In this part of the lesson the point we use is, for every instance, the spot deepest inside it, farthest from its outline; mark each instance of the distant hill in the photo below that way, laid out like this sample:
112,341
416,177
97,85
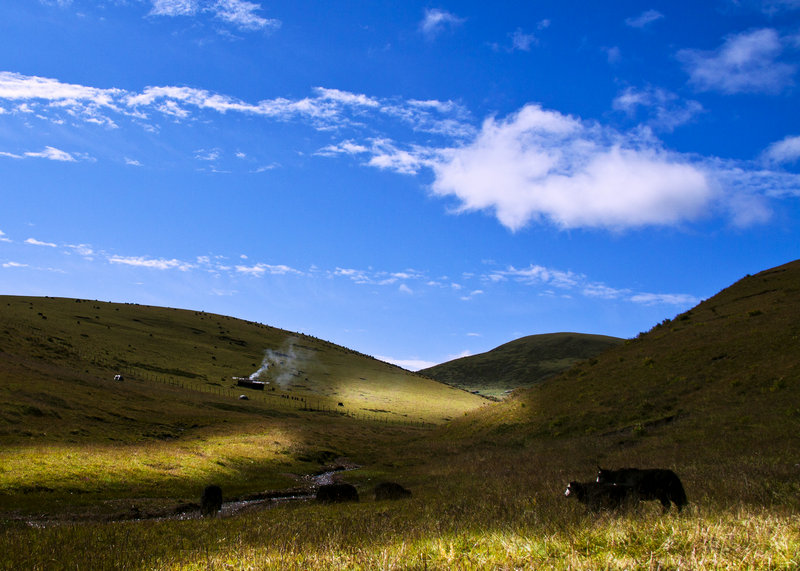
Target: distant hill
724,375
520,363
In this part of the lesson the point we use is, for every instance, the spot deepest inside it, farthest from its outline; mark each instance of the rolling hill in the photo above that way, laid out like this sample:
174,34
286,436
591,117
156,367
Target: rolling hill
723,376
54,350
520,363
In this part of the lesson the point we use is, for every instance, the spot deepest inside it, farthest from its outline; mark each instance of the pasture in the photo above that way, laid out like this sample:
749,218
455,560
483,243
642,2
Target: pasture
94,473
490,507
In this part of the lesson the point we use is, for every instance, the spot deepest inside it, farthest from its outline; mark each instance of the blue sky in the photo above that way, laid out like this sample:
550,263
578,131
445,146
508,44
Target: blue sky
416,181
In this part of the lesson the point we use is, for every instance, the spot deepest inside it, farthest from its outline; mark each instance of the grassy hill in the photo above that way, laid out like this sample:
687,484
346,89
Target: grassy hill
713,394
60,338
520,363
71,433
723,376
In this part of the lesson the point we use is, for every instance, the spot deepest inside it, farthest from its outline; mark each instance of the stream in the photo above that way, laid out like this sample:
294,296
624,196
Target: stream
234,506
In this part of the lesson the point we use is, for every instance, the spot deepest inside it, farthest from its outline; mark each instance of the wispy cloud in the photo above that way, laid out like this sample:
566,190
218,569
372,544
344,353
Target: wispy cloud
435,21
52,154
644,19
240,14
325,109
151,263
745,63
572,283
533,166
259,270
786,150
35,242
665,110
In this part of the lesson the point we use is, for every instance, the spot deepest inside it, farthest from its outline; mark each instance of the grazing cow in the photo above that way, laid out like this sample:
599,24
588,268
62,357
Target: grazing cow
390,491
118,378
211,501
335,493
601,496
653,484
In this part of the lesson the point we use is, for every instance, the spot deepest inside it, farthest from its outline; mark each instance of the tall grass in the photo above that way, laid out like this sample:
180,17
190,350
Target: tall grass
508,532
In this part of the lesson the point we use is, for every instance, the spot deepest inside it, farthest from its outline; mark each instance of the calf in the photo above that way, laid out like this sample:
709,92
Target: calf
601,496
653,484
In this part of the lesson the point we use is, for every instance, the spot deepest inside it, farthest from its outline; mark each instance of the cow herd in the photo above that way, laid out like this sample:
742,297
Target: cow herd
611,490
615,489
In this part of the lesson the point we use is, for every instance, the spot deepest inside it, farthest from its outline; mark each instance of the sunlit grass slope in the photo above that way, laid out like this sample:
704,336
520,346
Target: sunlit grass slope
202,350
72,435
523,362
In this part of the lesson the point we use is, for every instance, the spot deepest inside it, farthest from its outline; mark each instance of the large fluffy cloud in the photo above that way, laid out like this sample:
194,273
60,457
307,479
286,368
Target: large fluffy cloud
541,164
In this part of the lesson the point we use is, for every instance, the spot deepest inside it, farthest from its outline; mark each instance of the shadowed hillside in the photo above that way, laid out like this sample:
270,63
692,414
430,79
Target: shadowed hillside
520,363
724,375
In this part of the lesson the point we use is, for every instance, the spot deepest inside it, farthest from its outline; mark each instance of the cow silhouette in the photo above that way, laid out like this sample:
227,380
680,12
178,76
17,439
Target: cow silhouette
335,493
601,496
211,500
651,484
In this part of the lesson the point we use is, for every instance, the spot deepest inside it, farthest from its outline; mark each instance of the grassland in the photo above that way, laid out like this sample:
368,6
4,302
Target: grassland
713,394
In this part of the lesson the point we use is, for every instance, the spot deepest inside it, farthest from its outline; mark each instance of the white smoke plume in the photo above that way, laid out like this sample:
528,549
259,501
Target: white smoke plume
280,366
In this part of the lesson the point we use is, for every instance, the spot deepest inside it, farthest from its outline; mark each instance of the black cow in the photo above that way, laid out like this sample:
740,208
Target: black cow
390,491
601,496
211,501
653,484
333,493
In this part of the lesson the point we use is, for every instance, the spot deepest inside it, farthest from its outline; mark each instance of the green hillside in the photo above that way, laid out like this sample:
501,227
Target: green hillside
523,362
71,433
724,375
59,338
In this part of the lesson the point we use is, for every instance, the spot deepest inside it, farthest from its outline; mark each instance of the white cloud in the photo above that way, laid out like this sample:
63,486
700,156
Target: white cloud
536,274
522,41
745,63
52,154
132,162
786,150
174,7
15,265
665,109
435,21
541,164
664,299
472,295
35,242
151,263
239,13
3,237
242,14
644,19
259,270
